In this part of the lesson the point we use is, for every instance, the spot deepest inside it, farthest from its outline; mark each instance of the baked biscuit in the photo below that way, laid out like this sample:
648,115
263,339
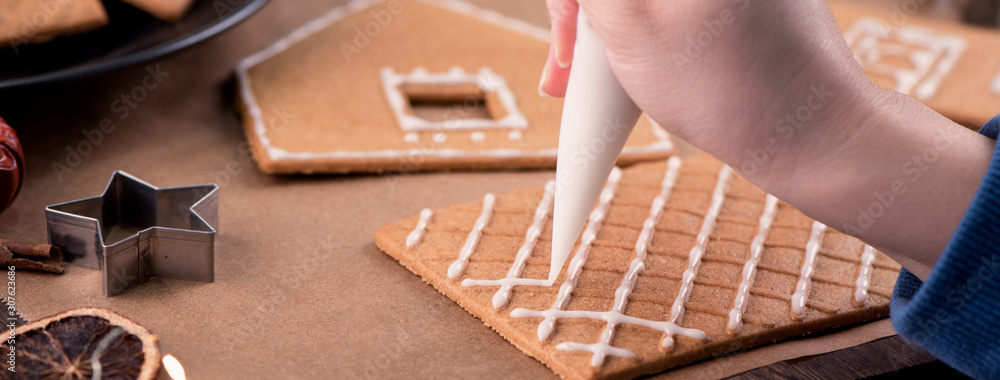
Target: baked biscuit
34,21
405,86
166,10
953,68
680,260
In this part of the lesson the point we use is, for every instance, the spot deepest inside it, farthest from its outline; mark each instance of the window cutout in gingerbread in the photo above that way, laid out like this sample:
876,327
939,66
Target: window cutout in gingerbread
454,100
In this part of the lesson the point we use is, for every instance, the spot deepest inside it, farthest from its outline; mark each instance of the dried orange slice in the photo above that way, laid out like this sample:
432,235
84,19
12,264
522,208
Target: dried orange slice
79,344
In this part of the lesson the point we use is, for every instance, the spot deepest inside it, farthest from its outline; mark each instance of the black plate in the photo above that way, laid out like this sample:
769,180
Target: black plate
131,36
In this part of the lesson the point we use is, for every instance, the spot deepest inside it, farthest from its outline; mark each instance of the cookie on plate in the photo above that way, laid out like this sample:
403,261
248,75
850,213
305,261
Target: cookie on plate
680,260
405,86
953,68
23,21
166,10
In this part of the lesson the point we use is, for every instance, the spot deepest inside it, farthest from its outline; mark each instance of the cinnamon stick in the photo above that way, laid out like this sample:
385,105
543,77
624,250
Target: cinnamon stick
7,259
29,249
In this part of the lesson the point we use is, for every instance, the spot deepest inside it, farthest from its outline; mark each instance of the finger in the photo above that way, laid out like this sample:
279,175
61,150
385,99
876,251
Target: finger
554,77
563,13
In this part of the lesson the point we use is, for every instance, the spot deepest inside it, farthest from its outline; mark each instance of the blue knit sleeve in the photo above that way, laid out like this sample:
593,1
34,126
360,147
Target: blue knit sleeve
955,314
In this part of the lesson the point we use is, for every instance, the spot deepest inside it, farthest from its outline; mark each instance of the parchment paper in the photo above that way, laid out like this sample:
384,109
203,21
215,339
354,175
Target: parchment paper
729,365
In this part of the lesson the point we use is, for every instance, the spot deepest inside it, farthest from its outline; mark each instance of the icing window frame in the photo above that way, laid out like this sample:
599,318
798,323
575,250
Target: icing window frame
933,54
485,86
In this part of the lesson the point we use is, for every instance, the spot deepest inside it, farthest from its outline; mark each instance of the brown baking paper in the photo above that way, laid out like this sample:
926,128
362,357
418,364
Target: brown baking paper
820,343
301,291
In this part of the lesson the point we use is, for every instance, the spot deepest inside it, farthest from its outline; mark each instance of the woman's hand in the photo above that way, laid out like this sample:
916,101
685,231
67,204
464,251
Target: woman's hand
721,75
772,89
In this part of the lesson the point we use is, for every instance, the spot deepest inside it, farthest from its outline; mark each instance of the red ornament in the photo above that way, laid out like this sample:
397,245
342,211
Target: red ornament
11,165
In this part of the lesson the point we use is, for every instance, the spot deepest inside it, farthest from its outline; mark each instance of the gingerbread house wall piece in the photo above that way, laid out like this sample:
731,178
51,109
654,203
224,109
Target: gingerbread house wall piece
922,56
340,94
948,66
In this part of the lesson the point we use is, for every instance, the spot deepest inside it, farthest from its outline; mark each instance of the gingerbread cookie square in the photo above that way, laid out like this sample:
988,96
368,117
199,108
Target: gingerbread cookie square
951,67
24,21
166,10
680,260
405,86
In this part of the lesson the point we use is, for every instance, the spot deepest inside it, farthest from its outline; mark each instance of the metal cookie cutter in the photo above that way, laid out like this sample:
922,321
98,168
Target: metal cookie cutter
135,231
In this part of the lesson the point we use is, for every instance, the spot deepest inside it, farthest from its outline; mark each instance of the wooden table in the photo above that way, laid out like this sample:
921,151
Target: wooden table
887,358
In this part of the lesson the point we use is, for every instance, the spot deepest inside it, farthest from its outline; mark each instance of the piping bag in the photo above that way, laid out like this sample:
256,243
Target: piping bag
597,119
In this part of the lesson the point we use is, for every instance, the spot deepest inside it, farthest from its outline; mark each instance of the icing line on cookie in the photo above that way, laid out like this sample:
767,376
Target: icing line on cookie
495,18
586,240
530,239
278,154
694,256
604,348
864,275
808,267
610,317
418,232
742,298
456,268
932,54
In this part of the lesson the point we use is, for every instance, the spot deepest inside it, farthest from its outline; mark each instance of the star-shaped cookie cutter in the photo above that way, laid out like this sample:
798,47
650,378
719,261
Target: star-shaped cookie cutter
135,231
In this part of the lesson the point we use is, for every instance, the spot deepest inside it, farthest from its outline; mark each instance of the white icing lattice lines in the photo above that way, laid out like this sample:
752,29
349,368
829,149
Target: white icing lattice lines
709,255
418,232
576,264
742,298
472,241
696,253
530,239
616,315
808,267
864,275
916,58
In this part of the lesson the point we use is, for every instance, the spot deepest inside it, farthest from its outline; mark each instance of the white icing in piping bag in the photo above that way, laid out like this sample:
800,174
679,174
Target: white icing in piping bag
597,119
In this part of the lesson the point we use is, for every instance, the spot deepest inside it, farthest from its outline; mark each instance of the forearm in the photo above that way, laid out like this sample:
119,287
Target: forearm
778,95
882,167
